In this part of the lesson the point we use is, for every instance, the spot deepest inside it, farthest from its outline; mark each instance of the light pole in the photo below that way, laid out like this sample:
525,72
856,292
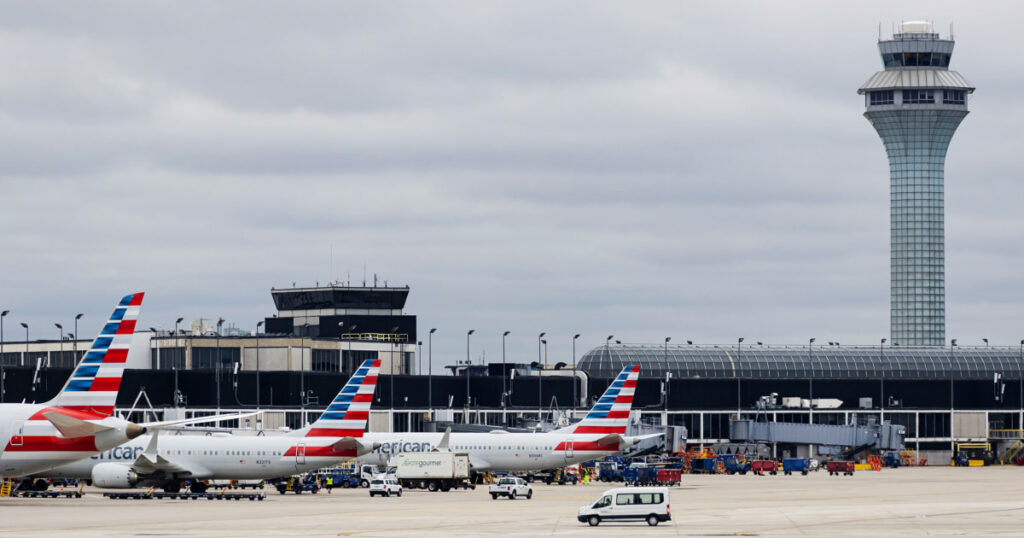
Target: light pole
74,340
430,371
177,343
739,359
25,361
575,398
810,365
952,440
220,322
2,316
468,400
504,386
61,329
391,378
258,325
881,356
986,341
540,400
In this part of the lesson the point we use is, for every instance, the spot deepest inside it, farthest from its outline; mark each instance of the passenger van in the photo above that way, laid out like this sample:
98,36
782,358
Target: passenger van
646,504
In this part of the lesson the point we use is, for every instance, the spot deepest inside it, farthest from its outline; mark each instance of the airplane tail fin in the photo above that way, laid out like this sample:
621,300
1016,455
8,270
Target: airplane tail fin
610,415
348,413
93,385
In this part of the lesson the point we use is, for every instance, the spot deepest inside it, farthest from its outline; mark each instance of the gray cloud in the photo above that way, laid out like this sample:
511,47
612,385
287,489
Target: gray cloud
699,171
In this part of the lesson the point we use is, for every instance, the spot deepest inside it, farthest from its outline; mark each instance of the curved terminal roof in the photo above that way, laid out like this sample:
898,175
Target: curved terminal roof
797,362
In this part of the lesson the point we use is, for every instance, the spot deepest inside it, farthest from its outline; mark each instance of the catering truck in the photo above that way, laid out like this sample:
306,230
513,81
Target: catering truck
432,471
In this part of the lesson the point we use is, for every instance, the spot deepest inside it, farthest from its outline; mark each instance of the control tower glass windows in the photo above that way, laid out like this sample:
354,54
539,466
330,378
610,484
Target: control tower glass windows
883,97
954,97
916,59
918,97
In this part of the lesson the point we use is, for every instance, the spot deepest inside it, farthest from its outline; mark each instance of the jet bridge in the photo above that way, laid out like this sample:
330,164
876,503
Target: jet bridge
829,438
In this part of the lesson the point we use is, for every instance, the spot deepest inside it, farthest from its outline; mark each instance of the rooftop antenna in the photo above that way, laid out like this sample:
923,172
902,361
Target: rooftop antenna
330,276
364,274
951,30
375,280
348,279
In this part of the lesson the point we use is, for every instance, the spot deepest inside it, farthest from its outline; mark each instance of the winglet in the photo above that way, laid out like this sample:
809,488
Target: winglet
73,428
442,446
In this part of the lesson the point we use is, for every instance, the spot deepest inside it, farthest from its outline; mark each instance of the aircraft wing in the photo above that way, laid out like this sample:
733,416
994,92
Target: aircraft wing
150,461
73,428
630,441
361,446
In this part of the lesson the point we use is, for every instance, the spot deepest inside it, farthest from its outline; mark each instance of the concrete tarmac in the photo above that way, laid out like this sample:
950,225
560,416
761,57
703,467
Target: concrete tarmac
905,502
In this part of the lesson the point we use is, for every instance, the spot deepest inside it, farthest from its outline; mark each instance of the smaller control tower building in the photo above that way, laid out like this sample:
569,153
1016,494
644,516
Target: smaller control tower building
915,105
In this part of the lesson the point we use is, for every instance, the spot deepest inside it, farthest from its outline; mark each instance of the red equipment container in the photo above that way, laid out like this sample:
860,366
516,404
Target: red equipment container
840,468
763,466
670,476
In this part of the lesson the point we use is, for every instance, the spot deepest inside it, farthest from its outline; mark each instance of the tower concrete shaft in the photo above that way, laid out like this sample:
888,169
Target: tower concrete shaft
916,104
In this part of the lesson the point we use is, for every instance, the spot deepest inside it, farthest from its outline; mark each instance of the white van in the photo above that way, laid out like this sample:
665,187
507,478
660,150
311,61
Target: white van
648,504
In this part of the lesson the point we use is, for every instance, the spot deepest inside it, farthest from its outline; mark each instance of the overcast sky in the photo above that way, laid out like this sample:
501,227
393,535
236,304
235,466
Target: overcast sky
644,169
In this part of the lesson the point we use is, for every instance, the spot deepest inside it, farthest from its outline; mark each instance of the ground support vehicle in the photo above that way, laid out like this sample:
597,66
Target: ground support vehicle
511,487
708,465
636,475
623,504
236,484
609,471
339,478
760,467
553,476
433,471
385,486
298,485
795,465
669,477
734,465
836,468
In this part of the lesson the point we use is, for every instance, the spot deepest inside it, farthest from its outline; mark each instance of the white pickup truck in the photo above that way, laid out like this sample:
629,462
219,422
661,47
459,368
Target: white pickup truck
511,487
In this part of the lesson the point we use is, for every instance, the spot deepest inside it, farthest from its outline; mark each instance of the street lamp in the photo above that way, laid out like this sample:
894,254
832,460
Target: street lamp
504,386
2,316
419,357
25,325
430,371
575,398
74,340
468,400
810,365
61,329
986,341
177,343
258,325
540,401
739,359
881,356
391,378
216,363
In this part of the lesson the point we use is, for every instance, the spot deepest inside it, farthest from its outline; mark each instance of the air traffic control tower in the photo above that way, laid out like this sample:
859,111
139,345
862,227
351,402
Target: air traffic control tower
916,104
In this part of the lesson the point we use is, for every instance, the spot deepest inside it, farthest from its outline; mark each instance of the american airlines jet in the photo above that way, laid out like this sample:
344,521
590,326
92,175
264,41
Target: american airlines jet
79,421
166,460
600,433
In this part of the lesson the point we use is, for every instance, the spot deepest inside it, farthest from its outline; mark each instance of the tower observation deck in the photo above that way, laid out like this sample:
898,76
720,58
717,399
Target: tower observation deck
915,104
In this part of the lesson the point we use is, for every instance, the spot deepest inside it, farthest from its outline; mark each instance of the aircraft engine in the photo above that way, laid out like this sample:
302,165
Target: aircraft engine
114,475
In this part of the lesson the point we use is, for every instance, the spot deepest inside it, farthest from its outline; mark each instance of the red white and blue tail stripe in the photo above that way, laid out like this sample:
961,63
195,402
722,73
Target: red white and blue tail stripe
348,413
609,417
93,386
611,413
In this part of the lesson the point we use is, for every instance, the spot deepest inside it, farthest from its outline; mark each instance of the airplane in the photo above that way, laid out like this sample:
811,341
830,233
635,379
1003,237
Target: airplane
166,460
78,422
600,433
